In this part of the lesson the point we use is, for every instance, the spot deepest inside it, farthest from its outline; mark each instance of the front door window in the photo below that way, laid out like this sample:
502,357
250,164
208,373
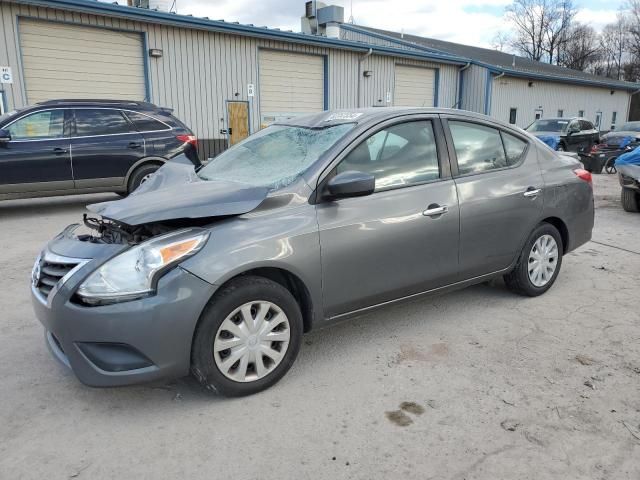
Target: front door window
45,125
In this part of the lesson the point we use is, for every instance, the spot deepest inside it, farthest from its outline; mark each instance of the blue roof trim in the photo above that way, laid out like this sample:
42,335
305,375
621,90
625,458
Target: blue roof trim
498,69
185,21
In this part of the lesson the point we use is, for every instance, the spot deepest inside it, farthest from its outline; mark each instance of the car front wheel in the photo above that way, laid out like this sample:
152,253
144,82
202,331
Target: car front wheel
630,199
248,337
539,262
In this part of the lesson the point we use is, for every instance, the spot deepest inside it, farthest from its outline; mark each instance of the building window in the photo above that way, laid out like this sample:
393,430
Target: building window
560,113
3,107
581,113
614,117
538,115
513,115
598,120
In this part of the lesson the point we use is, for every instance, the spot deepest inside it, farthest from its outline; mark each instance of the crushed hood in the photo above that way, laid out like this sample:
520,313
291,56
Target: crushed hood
176,192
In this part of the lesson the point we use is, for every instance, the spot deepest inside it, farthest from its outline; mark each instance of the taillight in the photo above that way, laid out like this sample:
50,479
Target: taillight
582,174
190,139
595,147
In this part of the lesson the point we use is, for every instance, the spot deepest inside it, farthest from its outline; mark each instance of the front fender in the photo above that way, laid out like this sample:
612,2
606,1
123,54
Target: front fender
287,240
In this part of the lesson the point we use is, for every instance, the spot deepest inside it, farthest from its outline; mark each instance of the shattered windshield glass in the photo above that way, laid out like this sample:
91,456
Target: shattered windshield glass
275,156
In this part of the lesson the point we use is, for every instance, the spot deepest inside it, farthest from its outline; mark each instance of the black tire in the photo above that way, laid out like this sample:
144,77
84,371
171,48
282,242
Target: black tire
518,280
139,174
561,147
238,292
610,166
630,200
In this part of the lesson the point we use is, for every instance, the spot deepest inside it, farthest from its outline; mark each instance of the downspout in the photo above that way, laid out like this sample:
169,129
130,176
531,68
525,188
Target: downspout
459,91
360,60
489,91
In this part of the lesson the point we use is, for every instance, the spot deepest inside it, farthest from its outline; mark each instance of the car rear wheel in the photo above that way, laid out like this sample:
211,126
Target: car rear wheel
247,338
630,200
141,175
610,166
539,262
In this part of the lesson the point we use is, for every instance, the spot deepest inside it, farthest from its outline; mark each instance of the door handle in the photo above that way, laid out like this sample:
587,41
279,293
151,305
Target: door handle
435,210
135,145
532,192
59,151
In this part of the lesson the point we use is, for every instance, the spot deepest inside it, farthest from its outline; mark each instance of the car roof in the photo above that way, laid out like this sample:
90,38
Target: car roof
370,115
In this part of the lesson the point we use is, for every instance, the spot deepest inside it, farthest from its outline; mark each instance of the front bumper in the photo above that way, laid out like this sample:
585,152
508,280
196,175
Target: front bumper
124,343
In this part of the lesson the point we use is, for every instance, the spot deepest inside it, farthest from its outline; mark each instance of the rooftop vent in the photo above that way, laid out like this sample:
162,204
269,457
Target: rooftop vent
160,5
321,19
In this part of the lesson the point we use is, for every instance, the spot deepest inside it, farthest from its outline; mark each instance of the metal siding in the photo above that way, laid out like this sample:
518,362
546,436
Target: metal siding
474,88
509,92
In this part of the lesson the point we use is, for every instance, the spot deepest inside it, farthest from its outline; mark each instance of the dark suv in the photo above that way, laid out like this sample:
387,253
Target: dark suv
566,134
62,147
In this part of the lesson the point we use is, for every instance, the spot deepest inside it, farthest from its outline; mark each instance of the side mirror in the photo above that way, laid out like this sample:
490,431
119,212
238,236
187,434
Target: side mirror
351,184
5,136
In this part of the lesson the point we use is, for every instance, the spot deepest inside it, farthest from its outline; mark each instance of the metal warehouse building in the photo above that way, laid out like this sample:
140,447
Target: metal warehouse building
226,80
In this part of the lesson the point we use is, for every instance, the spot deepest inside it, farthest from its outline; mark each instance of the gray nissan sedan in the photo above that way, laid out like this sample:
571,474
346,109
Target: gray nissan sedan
220,271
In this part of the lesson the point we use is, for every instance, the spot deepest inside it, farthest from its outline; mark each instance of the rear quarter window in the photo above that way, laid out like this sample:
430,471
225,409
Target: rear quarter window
144,123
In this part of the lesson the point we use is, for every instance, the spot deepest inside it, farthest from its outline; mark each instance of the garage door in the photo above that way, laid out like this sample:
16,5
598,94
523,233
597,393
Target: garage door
414,86
71,61
290,84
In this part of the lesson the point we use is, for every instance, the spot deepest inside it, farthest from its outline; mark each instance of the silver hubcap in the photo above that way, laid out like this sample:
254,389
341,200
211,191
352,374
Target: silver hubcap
252,341
145,178
543,260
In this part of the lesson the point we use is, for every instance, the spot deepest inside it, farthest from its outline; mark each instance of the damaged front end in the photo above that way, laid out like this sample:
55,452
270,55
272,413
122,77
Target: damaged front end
109,231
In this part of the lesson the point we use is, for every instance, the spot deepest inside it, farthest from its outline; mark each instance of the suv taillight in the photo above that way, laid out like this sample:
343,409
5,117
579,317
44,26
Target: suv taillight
582,174
190,139
595,148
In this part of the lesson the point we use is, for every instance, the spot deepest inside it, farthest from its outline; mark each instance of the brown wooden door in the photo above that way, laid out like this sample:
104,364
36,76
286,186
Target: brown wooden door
238,114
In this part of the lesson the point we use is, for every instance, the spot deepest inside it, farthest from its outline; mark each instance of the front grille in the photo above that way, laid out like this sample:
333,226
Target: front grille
49,271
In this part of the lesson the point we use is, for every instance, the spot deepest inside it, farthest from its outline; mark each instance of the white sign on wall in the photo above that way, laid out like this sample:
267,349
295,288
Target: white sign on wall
251,90
5,75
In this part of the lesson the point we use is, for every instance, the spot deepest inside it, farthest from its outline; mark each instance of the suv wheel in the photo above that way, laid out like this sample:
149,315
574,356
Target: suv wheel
630,200
539,262
141,175
247,338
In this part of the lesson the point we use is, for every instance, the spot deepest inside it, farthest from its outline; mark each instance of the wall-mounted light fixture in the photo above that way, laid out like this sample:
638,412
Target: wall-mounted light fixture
612,92
530,84
155,52
367,73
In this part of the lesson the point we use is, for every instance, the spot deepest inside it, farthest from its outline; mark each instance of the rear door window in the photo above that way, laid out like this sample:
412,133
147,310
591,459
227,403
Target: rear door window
92,122
478,148
144,123
48,124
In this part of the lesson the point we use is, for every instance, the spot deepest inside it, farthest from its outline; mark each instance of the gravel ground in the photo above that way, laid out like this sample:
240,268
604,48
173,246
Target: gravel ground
477,384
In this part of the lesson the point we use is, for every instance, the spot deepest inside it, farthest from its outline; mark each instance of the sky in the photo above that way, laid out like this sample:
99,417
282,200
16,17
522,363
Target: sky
472,22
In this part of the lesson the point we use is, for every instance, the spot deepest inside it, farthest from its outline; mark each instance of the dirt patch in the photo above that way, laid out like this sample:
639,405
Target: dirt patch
412,407
411,353
399,418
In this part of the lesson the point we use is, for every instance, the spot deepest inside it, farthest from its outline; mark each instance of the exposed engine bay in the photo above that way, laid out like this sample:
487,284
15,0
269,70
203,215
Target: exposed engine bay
109,231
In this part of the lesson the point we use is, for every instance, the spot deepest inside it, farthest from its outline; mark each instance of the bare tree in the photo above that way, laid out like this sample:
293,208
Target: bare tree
581,50
633,7
541,27
614,42
501,41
